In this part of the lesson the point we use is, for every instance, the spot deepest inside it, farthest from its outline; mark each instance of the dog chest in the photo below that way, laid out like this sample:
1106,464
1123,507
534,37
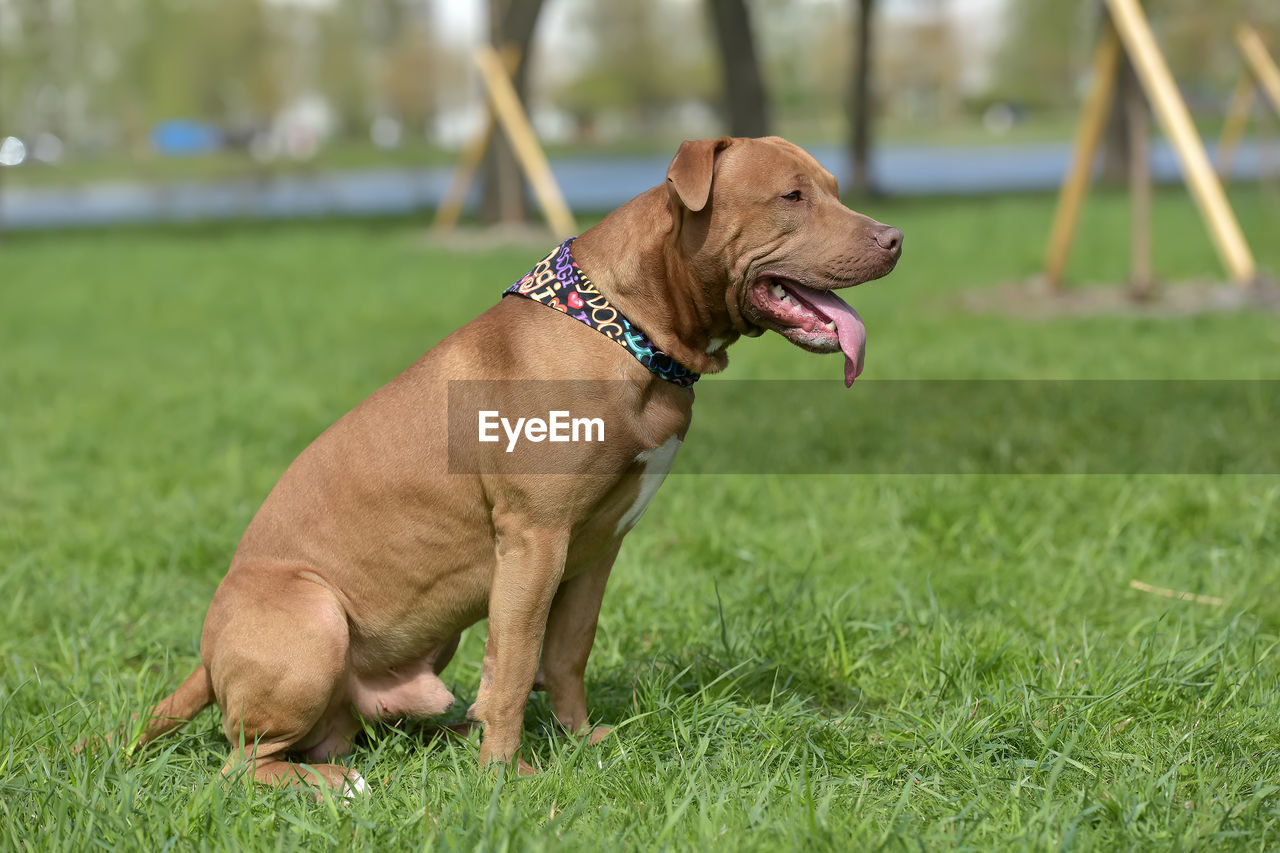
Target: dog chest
654,465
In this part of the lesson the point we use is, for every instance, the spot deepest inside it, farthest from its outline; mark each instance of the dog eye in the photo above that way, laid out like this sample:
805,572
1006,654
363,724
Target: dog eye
794,195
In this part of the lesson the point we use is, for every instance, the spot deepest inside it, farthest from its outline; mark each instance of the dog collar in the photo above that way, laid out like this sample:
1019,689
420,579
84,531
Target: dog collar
558,282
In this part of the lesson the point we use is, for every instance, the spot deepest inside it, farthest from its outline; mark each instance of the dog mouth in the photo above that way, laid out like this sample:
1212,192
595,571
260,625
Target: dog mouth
815,320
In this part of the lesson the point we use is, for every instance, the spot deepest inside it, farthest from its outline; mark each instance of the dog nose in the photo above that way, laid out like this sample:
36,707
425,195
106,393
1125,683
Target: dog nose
889,239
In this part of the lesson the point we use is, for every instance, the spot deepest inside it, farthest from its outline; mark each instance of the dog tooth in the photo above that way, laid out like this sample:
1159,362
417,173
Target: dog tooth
786,298
776,290
831,325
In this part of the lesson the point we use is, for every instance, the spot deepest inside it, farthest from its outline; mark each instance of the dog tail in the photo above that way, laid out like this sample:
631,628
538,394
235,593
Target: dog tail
192,696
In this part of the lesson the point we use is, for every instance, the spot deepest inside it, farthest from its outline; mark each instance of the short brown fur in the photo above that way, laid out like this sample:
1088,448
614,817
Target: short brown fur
350,587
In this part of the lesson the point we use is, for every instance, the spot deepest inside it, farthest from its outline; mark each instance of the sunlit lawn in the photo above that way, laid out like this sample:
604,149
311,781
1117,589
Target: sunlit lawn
791,662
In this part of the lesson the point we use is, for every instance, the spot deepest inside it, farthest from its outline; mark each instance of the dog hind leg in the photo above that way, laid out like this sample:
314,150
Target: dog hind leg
281,681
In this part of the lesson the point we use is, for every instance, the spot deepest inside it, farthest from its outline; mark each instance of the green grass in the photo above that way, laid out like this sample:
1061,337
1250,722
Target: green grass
818,662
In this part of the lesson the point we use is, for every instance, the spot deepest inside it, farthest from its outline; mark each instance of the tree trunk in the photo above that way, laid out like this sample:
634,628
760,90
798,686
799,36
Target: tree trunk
1141,277
511,25
860,102
1116,148
745,99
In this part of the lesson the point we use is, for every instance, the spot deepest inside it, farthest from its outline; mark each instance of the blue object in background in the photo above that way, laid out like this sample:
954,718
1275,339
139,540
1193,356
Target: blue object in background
184,137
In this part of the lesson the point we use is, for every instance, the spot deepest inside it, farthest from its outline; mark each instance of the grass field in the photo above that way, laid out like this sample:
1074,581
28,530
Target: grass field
817,662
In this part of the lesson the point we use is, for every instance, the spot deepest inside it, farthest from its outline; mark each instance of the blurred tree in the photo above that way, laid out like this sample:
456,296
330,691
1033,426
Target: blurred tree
156,71
400,47
225,61
805,59
113,68
860,101
927,74
1117,150
21,60
1198,39
1047,45
744,94
243,64
409,67
346,72
1041,52
41,66
638,60
511,25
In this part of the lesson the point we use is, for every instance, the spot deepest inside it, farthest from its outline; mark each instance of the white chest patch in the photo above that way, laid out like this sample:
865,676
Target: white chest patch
657,464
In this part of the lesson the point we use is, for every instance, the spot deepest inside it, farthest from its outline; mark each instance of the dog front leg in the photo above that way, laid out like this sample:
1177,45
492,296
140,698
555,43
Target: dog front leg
530,564
571,631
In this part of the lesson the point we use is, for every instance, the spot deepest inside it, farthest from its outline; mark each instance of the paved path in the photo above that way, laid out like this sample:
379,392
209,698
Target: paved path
589,184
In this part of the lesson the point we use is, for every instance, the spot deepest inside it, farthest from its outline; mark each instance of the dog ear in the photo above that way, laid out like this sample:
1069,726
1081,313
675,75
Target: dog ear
691,170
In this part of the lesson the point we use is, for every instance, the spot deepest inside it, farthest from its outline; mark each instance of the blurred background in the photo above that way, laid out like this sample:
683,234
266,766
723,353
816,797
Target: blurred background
139,110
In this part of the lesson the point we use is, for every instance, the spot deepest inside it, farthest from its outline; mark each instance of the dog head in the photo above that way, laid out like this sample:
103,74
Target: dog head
761,226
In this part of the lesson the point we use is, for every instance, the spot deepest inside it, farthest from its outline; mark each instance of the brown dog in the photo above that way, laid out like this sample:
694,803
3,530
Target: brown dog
383,541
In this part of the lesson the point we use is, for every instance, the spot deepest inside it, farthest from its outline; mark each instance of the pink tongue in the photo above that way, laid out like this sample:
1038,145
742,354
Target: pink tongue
849,326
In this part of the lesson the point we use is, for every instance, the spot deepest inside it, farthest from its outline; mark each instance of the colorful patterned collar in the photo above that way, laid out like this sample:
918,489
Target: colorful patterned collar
557,282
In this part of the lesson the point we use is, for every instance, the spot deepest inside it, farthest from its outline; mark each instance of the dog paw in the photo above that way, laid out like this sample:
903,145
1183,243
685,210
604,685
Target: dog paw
355,786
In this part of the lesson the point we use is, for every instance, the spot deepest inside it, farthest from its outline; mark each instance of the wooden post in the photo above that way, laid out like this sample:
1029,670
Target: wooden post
1169,108
1093,119
515,124
1233,128
1267,171
1260,63
450,209
1141,278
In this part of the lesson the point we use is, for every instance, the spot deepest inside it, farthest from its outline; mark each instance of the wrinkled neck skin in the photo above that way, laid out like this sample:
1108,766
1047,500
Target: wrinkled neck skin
642,260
